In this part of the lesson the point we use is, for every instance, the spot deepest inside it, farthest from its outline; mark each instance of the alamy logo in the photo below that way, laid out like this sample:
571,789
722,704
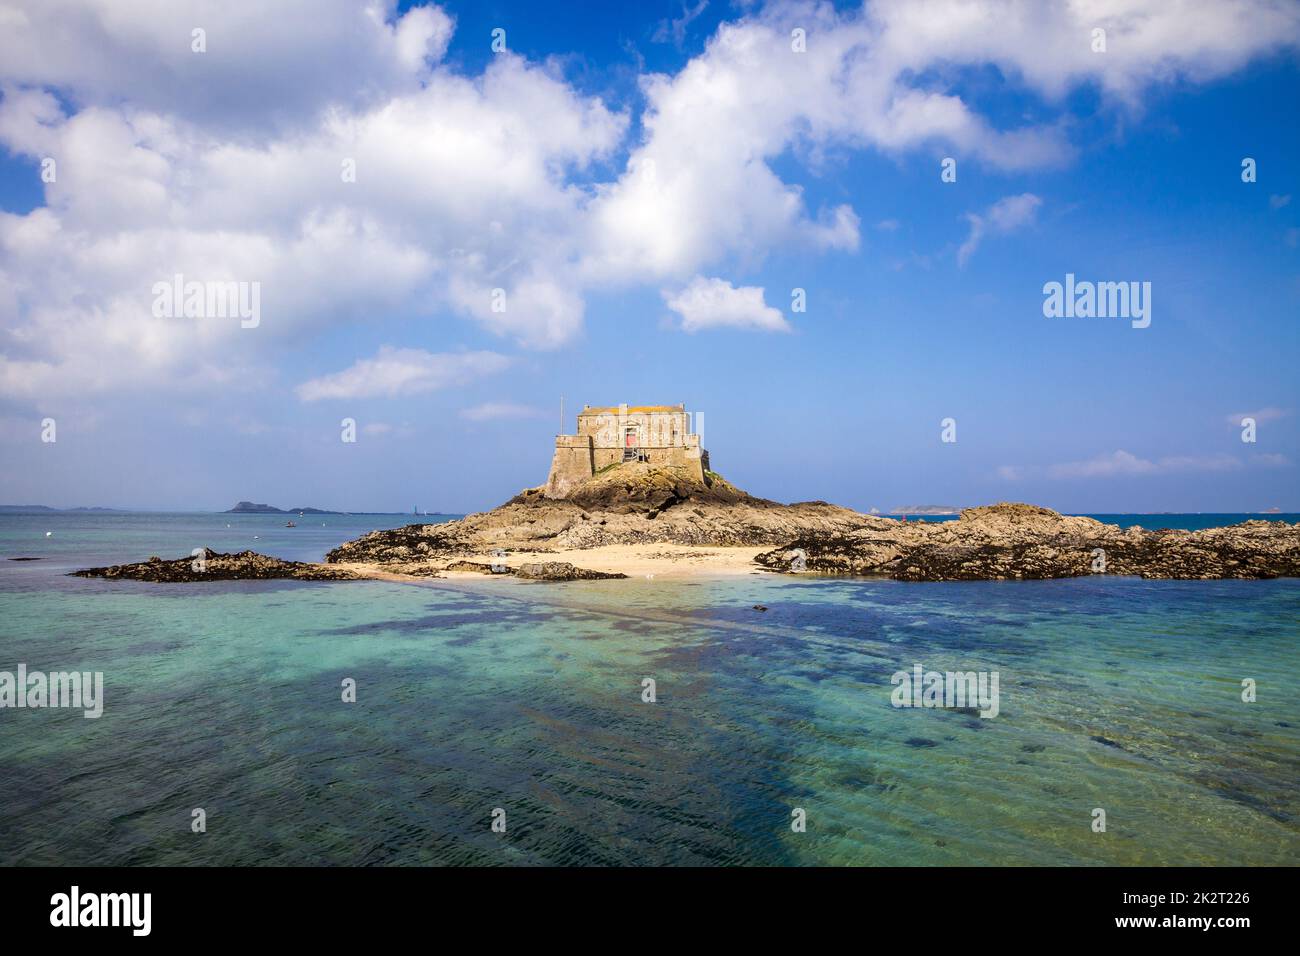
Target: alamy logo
36,689
208,300
1102,300
103,909
948,689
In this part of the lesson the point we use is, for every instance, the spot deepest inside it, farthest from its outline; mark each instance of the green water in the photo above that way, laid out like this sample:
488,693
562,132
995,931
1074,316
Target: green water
528,697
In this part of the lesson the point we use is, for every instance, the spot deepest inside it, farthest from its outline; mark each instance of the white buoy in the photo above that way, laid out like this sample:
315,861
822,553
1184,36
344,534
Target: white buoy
49,534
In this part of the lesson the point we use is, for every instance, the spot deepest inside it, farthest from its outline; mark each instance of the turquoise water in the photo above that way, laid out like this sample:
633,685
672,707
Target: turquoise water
1115,693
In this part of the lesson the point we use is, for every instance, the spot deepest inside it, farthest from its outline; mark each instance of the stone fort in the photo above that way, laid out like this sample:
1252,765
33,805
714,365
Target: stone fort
659,435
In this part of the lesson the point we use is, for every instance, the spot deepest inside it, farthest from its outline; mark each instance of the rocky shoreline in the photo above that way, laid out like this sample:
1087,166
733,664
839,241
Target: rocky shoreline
216,566
251,566
639,505
1025,542
648,509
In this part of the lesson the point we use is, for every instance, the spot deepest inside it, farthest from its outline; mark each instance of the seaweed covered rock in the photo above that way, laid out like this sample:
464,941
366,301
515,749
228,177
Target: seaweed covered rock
1019,541
215,566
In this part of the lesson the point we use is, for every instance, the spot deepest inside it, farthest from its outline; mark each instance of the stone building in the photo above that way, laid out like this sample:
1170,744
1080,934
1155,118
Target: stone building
657,434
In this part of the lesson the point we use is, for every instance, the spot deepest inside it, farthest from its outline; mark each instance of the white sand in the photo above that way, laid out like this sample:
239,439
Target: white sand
657,561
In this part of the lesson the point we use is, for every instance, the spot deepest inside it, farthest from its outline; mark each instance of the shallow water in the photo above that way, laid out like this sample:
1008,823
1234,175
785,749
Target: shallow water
1114,693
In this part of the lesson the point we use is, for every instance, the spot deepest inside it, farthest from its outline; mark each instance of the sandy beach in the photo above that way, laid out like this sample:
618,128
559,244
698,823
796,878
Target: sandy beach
653,561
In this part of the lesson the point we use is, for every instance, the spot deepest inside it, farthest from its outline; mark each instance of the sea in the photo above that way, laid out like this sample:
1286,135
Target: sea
745,720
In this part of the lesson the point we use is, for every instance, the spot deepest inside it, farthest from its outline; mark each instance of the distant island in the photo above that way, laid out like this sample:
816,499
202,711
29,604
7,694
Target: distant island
926,510
242,508
256,508
30,509
251,508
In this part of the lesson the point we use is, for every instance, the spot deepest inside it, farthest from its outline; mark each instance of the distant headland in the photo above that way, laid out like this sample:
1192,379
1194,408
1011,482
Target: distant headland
255,508
252,508
42,509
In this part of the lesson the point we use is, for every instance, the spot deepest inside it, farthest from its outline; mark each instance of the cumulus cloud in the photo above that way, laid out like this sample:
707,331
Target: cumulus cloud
457,191
716,303
396,372
266,64
1049,46
488,195
1005,216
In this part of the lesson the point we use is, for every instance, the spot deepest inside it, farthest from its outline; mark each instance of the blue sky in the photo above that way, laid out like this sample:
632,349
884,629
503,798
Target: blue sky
519,170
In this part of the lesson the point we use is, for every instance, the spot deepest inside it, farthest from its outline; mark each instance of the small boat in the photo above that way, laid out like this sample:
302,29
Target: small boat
290,524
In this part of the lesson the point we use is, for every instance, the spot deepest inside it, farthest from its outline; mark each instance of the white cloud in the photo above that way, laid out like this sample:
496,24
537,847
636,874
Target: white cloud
1122,463
397,372
171,161
460,189
675,29
716,303
313,54
1003,217
1049,46
491,411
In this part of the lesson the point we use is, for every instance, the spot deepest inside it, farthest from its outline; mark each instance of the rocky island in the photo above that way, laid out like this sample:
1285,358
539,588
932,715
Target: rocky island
635,516
254,508
632,495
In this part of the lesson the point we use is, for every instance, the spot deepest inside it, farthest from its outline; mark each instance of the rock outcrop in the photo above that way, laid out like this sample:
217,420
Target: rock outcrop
561,571
251,566
215,566
633,503
1018,541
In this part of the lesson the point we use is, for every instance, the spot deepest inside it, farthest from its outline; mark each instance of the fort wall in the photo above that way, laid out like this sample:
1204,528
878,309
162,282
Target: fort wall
656,434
